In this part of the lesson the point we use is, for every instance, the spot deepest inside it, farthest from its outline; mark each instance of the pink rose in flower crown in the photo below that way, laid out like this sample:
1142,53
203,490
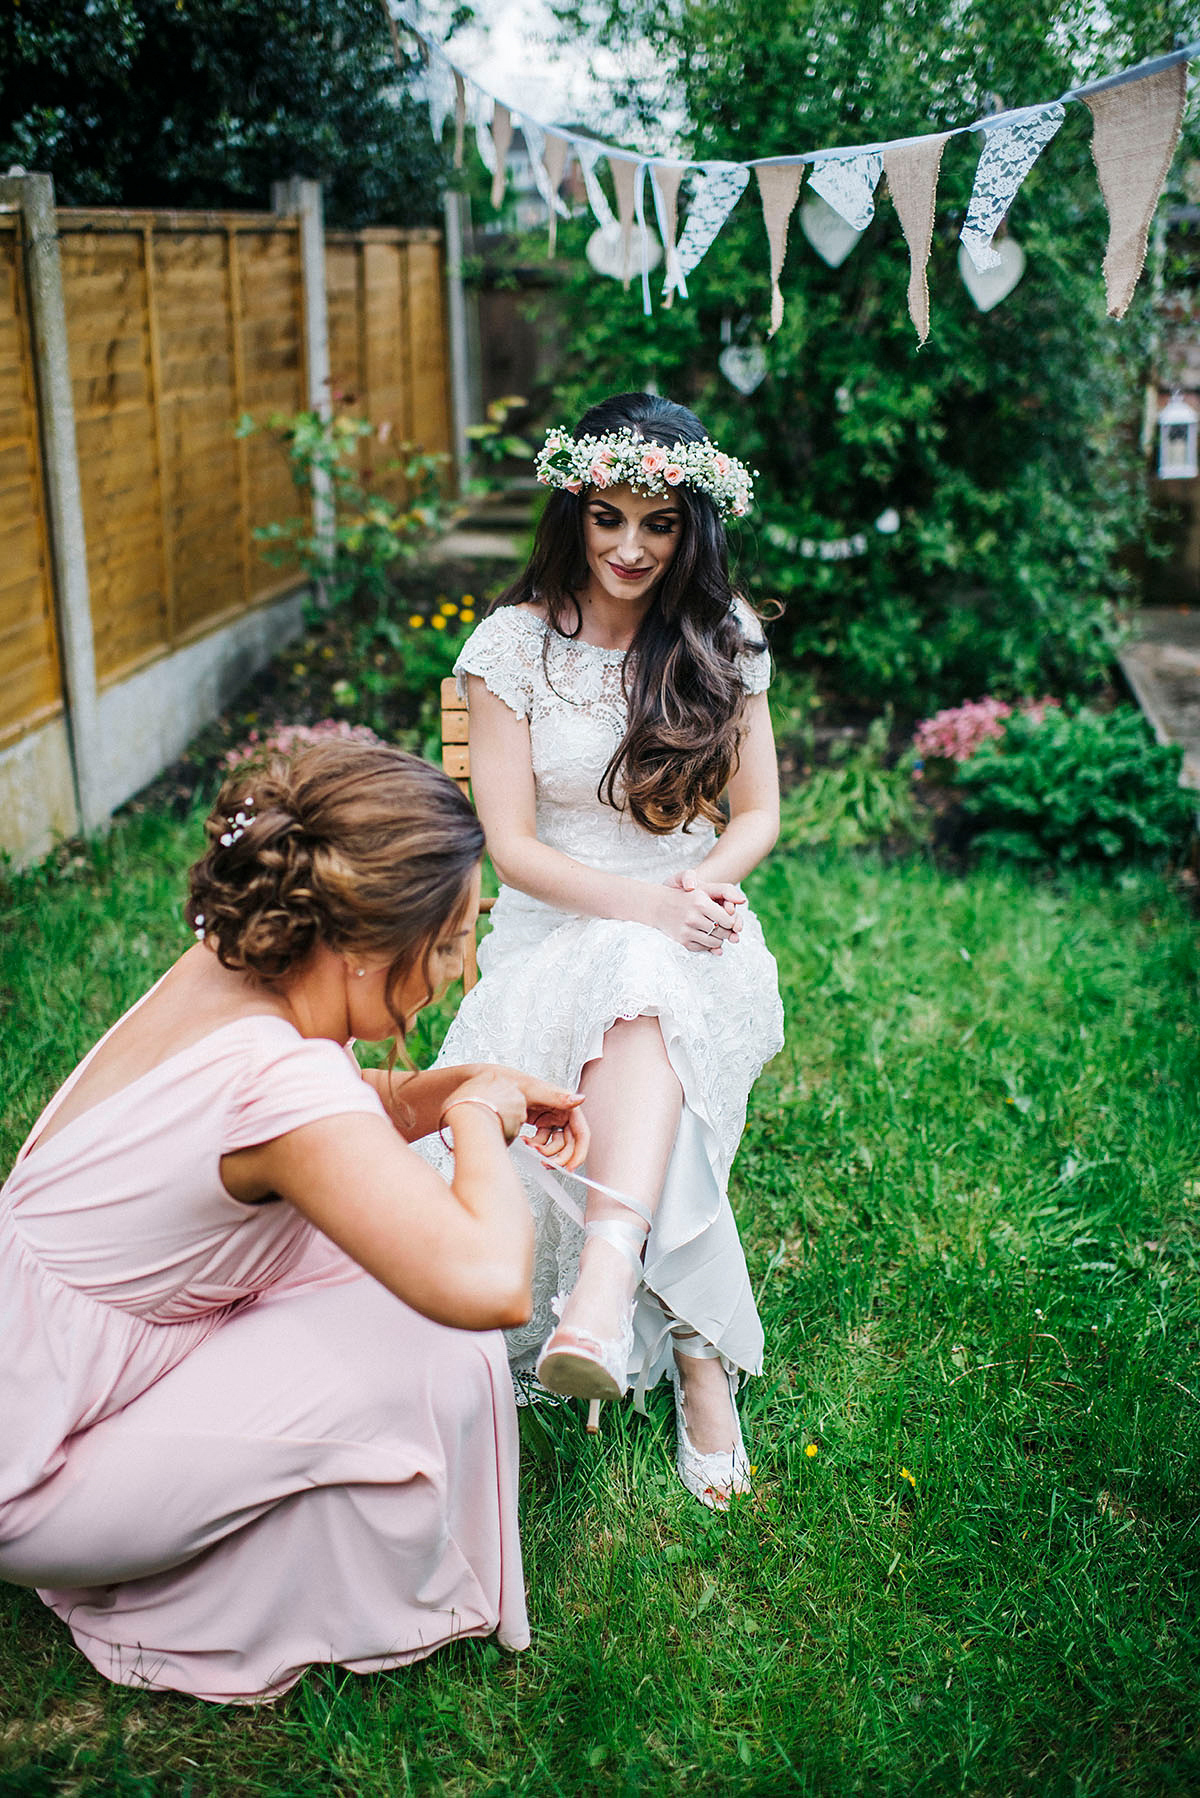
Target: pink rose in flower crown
598,473
654,461
721,463
574,485
672,474
741,506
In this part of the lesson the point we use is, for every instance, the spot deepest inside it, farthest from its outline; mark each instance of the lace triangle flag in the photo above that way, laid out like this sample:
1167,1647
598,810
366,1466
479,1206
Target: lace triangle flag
665,180
847,181
778,189
501,140
912,174
589,153
1133,140
1009,152
440,90
625,173
482,106
720,187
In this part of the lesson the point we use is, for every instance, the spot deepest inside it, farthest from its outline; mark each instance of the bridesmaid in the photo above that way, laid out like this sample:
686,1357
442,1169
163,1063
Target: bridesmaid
256,1407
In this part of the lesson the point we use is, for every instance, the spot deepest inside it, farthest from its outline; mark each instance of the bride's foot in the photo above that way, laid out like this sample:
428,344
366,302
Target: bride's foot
710,1454
587,1355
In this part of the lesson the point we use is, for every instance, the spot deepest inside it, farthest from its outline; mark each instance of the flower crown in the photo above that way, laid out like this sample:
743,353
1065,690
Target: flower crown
647,467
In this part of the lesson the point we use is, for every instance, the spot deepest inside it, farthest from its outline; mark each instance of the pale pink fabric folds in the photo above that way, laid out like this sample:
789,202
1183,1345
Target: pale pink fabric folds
227,1452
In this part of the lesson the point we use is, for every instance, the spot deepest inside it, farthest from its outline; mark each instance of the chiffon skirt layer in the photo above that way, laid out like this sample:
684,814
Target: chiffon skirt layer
553,984
326,1477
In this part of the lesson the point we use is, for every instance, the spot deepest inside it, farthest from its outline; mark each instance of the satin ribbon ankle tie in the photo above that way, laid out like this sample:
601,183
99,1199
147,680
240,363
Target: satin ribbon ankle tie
531,1164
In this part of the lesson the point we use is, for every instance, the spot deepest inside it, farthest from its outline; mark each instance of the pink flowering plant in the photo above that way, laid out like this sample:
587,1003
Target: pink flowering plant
286,739
955,734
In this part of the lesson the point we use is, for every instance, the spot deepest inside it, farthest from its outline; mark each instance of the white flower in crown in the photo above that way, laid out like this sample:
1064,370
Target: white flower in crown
574,463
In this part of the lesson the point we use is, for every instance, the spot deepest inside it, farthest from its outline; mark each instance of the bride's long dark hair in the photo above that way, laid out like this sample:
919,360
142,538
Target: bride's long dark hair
685,694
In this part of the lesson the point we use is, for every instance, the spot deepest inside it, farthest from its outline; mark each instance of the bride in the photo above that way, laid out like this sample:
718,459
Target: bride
617,696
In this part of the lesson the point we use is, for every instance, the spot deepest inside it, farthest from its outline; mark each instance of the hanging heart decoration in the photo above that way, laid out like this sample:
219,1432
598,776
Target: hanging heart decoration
827,231
744,365
605,250
987,287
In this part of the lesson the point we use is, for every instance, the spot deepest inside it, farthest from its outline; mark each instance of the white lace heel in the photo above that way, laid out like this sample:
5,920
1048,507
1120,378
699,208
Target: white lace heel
577,1363
723,1475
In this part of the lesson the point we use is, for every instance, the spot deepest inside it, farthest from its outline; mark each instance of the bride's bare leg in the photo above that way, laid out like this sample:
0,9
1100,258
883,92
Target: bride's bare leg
633,1104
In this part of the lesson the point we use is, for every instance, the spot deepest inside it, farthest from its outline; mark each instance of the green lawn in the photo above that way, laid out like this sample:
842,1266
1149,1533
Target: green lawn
970,1191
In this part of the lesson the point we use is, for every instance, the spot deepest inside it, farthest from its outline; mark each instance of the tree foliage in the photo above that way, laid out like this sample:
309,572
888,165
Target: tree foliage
1008,444
206,102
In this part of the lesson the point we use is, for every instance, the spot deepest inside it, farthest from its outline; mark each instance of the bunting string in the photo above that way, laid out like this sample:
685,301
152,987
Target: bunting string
1137,116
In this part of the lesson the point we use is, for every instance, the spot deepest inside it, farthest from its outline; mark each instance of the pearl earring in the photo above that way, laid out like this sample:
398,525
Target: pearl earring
361,972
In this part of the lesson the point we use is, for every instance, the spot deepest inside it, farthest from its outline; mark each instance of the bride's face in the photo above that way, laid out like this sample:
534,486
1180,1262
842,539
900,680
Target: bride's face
630,539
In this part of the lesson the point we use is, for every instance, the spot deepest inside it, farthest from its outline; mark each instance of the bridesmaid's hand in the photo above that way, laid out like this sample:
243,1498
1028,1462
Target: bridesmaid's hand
559,1129
705,916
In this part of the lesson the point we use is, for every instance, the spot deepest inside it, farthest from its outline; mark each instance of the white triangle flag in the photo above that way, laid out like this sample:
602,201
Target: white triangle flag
847,181
718,191
589,153
1009,152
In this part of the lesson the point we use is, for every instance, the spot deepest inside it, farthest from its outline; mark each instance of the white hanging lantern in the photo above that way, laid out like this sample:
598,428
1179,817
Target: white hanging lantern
1178,440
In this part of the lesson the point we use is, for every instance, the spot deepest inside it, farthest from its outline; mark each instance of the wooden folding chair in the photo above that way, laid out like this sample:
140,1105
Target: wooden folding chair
456,760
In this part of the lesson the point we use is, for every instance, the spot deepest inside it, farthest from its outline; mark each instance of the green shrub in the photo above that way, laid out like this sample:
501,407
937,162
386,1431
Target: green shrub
856,799
1079,786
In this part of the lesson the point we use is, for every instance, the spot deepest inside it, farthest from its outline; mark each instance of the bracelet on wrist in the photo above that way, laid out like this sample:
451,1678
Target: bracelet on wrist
470,1099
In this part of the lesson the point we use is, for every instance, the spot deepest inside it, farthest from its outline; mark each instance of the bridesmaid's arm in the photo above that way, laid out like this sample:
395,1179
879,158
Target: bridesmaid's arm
415,1102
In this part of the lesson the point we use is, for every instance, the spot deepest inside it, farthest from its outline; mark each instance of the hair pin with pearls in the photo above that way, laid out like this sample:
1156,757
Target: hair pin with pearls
237,824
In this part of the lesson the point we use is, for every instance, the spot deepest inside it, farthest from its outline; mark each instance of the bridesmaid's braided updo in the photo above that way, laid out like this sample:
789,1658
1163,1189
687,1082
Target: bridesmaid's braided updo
359,846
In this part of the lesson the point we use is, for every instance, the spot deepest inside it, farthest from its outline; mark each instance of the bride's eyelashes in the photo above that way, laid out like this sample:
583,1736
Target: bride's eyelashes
612,521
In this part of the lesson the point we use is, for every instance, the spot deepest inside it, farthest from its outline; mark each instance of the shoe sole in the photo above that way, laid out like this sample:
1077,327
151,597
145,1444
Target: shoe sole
575,1376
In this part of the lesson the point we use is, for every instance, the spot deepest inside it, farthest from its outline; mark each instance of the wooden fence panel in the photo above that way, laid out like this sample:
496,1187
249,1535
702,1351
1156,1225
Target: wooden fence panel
104,292
30,673
388,344
177,324
429,355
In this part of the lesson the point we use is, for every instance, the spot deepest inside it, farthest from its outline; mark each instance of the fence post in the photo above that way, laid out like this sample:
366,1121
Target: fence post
34,194
453,206
303,198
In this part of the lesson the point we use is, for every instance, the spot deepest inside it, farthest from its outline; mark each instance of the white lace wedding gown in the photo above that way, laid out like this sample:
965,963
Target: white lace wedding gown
553,982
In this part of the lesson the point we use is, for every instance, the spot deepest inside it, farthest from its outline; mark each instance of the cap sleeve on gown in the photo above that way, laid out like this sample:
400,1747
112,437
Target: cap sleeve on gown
754,665
505,651
292,1080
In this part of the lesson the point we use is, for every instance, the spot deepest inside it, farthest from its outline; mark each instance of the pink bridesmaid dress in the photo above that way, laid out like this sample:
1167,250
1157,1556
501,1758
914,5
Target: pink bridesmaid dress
226,1453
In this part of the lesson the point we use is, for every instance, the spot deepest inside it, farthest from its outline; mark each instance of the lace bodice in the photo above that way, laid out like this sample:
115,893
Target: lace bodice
574,701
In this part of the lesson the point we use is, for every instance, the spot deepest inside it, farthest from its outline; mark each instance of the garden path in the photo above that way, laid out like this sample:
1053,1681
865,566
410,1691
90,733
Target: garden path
1162,666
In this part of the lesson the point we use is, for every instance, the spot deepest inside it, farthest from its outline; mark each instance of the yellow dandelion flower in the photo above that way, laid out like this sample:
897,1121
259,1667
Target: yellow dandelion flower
416,621
449,609
468,617
441,599
438,623
906,1475
811,1450
468,599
